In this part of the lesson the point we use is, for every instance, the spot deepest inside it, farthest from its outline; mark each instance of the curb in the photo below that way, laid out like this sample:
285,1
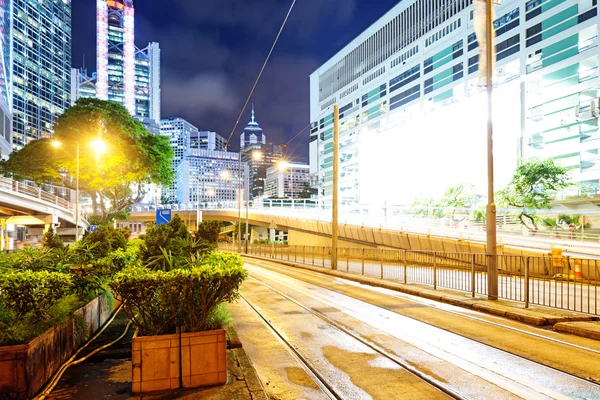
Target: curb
483,305
255,387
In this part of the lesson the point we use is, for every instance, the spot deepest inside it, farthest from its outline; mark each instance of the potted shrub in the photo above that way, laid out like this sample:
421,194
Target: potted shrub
180,340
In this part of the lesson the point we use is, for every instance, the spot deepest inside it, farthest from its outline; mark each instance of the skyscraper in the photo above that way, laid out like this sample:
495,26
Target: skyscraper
125,73
258,154
5,79
412,113
178,130
41,66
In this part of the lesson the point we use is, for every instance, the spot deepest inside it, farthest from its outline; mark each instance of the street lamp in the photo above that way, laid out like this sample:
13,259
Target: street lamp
99,147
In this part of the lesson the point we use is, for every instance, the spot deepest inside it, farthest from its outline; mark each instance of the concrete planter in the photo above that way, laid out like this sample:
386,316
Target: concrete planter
25,368
168,362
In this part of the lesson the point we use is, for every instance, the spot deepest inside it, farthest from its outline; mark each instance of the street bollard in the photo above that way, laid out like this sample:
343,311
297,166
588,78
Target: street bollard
313,256
323,257
295,253
303,254
363,261
473,275
434,272
526,282
405,268
381,263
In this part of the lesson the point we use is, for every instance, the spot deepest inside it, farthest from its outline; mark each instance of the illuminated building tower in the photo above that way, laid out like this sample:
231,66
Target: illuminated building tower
258,154
116,52
5,79
41,65
125,73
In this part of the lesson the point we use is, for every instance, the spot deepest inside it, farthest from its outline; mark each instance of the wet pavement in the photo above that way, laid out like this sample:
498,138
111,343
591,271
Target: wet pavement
473,354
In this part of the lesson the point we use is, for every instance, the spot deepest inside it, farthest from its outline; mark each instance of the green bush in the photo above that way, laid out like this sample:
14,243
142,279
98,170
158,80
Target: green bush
209,231
107,239
166,247
52,240
33,293
159,301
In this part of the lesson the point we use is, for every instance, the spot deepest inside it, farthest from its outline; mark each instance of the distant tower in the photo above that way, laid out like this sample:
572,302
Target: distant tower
253,134
116,52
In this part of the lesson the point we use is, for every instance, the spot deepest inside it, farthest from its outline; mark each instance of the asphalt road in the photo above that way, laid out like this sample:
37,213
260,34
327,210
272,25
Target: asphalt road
315,336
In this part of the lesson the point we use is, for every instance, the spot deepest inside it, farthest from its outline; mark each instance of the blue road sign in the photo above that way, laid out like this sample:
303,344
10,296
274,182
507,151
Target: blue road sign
163,217
93,228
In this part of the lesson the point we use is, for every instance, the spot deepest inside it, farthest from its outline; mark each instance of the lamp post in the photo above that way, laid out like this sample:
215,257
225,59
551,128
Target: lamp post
100,147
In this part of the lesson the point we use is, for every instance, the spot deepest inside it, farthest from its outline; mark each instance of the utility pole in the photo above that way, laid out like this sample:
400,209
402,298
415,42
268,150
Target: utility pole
247,182
335,200
491,206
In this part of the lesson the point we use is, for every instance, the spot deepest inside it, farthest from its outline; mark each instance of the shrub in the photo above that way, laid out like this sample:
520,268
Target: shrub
159,301
33,293
33,259
52,240
208,231
107,239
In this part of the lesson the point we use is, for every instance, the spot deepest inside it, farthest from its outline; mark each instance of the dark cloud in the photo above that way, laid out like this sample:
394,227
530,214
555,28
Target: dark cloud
212,51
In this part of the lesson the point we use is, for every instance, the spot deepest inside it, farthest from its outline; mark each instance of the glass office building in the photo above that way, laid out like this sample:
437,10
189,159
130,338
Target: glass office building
209,177
125,73
413,112
41,66
5,78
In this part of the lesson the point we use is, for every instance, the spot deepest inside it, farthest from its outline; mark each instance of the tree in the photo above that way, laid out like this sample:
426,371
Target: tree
427,207
209,231
114,179
52,240
459,198
533,187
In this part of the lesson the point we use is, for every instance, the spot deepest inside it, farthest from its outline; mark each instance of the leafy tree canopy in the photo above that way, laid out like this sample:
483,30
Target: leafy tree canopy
132,156
533,187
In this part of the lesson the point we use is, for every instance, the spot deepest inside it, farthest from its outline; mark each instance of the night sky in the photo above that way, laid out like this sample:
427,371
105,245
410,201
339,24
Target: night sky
212,51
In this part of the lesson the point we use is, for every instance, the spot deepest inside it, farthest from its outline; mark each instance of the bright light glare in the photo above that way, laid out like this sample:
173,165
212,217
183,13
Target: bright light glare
282,165
210,192
56,144
99,146
225,174
257,155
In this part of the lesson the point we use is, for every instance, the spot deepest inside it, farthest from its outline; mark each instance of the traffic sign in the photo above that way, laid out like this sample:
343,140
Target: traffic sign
163,217
583,220
93,228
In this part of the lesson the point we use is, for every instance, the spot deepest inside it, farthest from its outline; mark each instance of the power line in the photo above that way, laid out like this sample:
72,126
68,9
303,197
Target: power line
298,134
261,72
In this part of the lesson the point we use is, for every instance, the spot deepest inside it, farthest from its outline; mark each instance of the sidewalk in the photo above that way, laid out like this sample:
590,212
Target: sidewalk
580,324
108,374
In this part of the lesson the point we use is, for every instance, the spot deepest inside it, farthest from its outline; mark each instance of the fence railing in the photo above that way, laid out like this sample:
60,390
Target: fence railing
560,282
10,185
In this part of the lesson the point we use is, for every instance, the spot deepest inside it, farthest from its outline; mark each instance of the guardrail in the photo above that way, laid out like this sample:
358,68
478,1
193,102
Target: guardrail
11,185
561,282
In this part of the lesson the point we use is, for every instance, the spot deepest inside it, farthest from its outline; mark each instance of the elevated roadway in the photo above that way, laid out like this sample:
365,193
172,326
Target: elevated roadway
25,205
311,227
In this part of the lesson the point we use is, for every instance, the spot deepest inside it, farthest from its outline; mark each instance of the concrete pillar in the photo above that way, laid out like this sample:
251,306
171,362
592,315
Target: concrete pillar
272,235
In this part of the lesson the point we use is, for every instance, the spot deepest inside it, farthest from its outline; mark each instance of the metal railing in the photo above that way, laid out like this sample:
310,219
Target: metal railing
10,185
566,283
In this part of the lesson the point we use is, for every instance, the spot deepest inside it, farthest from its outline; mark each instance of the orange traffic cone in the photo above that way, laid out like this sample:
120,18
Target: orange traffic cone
577,269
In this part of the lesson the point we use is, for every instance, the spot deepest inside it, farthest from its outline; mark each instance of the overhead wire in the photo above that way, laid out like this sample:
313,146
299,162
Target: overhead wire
261,71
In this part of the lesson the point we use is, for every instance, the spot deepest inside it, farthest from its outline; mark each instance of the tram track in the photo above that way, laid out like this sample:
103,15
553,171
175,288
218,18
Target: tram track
313,370
447,389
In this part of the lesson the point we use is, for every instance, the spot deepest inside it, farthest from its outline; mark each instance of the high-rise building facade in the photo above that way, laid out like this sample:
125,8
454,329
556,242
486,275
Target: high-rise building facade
258,154
178,130
125,73
5,78
209,177
207,140
41,66
413,113
286,181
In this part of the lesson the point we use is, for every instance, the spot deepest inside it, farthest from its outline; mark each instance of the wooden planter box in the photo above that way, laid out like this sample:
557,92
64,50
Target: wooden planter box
25,368
165,363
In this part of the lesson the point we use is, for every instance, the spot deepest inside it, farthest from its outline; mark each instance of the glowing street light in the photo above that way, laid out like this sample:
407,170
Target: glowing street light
257,155
100,147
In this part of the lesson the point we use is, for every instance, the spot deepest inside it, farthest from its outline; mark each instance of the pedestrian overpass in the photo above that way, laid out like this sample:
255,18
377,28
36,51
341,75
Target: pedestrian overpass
25,205
311,226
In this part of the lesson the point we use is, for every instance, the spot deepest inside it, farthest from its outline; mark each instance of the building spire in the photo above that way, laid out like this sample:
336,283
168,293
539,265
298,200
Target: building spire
253,121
